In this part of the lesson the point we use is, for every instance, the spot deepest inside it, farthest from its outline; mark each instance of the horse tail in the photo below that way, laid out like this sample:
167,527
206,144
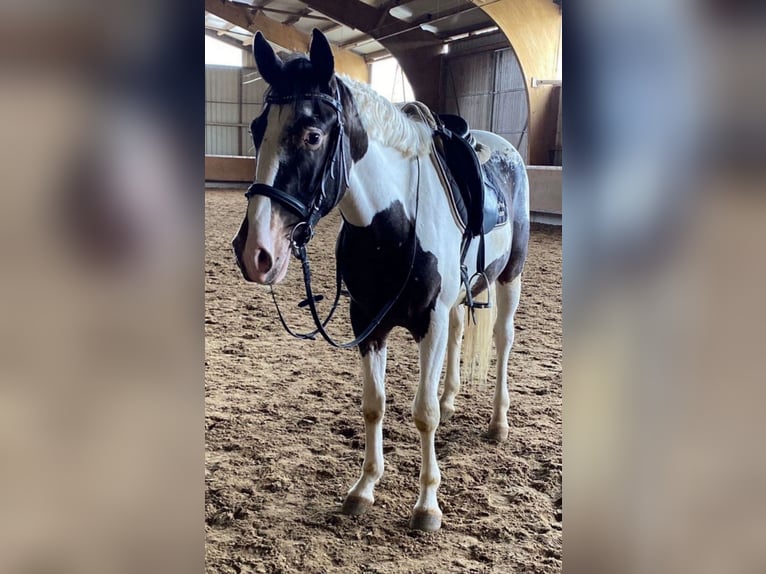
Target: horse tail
477,343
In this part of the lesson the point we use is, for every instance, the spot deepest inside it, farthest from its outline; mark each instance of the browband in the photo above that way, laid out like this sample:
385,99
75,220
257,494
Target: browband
281,100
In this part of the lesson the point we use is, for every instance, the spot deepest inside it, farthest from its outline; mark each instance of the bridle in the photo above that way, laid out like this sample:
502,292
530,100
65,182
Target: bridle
335,172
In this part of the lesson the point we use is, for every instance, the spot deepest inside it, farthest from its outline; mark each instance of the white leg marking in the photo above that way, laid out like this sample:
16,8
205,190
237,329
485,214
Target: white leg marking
360,497
452,378
507,303
425,412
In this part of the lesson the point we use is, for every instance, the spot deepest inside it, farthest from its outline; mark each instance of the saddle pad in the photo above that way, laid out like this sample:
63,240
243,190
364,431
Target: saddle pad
495,209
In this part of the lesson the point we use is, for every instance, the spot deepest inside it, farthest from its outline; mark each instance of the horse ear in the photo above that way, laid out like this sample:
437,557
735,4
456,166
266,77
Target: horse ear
269,65
321,57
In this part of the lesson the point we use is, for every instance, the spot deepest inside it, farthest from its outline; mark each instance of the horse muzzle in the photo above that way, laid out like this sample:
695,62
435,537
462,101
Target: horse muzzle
262,260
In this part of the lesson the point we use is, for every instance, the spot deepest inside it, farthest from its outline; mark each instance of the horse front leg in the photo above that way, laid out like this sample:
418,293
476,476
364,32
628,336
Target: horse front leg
425,412
360,497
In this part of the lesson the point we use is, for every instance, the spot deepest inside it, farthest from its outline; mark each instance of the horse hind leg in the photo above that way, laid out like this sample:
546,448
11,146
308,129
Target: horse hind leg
452,378
508,295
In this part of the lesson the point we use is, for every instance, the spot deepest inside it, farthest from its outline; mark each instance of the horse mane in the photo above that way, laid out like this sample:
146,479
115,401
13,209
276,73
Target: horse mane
386,123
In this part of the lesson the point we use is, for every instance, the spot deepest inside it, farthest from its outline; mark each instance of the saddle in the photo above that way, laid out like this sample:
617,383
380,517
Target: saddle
477,204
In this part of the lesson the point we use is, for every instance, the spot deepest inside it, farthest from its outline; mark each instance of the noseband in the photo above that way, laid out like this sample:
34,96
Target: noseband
333,179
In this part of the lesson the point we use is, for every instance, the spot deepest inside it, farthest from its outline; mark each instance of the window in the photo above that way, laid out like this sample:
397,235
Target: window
388,79
218,53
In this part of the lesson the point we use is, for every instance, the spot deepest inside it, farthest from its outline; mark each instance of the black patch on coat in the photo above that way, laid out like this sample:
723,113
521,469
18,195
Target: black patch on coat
258,128
507,172
374,262
301,170
295,79
357,136
492,271
519,247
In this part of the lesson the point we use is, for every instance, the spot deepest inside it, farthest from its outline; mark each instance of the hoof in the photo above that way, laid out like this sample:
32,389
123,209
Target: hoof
498,433
427,521
355,505
446,413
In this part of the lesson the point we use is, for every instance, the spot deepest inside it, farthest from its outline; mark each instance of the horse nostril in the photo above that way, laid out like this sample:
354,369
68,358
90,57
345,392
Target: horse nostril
263,261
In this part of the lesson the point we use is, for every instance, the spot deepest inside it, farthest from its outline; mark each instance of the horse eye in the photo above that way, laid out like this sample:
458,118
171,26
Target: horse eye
312,139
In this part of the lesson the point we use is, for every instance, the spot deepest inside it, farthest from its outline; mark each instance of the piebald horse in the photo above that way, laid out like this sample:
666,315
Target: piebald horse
324,142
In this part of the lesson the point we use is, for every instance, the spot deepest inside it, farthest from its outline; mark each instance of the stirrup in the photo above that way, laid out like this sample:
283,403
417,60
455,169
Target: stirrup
473,303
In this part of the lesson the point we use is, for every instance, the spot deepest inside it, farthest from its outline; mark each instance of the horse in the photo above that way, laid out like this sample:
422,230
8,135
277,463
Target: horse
325,141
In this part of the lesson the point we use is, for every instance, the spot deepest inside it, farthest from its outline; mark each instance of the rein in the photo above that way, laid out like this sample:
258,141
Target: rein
311,300
336,168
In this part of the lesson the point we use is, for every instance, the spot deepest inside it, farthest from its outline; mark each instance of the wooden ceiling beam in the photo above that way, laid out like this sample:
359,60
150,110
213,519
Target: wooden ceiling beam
378,23
253,20
302,14
295,17
287,37
372,56
352,13
225,39
332,28
383,11
357,41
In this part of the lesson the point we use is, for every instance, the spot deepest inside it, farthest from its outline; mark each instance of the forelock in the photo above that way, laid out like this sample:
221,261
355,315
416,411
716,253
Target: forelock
298,76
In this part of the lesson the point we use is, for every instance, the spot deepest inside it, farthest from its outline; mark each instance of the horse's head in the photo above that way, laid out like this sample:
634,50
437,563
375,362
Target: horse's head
306,139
